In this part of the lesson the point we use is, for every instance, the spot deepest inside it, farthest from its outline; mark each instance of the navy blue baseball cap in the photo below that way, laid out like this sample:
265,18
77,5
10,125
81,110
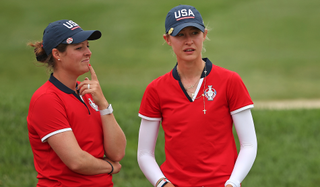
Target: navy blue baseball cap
66,32
183,16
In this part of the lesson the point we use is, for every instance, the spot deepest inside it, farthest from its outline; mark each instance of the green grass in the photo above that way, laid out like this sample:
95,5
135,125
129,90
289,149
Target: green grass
287,150
272,44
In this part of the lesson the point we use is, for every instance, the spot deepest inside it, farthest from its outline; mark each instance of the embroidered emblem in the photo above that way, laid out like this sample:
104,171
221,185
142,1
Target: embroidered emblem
184,14
210,93
93,105
71,25
69,40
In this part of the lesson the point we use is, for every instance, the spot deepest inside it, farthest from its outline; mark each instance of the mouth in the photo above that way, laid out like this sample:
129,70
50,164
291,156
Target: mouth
86,60
189,50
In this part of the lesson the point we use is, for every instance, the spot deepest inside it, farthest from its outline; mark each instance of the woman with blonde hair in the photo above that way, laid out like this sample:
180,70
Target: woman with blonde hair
197,104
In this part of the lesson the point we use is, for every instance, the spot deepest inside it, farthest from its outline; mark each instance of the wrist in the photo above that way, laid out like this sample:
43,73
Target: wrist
232,183
104,105
111,166
106,111
162,182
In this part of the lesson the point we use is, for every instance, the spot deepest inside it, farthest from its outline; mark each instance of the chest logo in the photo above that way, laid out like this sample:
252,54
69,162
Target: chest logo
93,105
210,93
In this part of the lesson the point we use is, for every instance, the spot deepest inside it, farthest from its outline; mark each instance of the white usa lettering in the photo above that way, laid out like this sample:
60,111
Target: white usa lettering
69,24
183,12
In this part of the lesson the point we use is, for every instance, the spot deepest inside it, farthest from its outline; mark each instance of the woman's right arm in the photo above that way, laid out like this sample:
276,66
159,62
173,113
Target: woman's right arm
148,135
67,148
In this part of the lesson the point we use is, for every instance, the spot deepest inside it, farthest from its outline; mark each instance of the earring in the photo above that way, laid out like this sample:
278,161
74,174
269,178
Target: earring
58,59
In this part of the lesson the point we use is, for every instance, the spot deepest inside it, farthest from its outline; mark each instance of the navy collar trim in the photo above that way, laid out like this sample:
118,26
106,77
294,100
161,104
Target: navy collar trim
65,89
208,68
60,86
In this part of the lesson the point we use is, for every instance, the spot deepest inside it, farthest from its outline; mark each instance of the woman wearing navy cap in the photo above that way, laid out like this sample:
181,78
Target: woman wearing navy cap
74,136
197,104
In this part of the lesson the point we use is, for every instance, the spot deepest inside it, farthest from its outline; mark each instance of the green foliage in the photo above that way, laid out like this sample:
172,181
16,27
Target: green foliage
272,44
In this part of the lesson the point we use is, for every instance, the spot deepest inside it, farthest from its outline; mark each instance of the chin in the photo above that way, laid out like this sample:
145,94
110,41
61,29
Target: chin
84,71
190,58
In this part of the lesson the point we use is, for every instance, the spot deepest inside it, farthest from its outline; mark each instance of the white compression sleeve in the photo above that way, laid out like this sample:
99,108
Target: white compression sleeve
148,135
244,125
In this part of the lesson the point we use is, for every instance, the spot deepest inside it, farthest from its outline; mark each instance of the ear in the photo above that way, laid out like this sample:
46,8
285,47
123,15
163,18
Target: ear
166,37
56,54
205,34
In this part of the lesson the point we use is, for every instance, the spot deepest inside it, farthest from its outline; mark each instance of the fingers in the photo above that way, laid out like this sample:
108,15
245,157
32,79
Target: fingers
116,165
93,73
84,88
92,87
84,85
86,81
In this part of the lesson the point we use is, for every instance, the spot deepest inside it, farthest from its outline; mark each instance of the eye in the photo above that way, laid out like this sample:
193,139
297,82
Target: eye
180,34
195,32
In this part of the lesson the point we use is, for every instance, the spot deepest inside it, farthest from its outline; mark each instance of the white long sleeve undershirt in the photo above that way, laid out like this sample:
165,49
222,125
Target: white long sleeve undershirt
244,125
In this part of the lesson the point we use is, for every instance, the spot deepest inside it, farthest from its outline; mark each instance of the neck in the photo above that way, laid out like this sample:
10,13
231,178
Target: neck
190,70
66,79
190,74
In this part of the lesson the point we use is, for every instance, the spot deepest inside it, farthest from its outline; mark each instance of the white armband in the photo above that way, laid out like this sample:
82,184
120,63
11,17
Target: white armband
163,182
106,111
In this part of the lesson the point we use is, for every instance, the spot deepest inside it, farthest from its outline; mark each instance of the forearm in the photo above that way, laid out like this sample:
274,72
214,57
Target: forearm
148,134
114,138
77,159
243,164
149,167
86,164
248,147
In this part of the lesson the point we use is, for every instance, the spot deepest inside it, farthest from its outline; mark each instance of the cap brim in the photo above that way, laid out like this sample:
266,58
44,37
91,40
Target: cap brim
85,35
178,28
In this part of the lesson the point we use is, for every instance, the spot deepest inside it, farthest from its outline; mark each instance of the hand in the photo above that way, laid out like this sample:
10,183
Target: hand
116,166
229,185
169,184
95,89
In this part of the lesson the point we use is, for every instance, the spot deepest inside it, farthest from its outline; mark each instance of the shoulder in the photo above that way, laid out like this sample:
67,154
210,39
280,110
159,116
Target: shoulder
45,94
223,74
160,81
216,70
221,70
45,89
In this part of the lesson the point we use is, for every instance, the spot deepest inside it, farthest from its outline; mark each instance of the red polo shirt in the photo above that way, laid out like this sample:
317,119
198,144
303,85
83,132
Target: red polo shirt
200,148
54,108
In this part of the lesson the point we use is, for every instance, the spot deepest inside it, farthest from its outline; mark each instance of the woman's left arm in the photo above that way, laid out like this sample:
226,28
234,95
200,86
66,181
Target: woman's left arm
244,125
114,138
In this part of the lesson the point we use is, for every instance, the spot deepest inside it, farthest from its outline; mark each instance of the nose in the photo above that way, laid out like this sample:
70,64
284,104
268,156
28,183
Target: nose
189,39
88,52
